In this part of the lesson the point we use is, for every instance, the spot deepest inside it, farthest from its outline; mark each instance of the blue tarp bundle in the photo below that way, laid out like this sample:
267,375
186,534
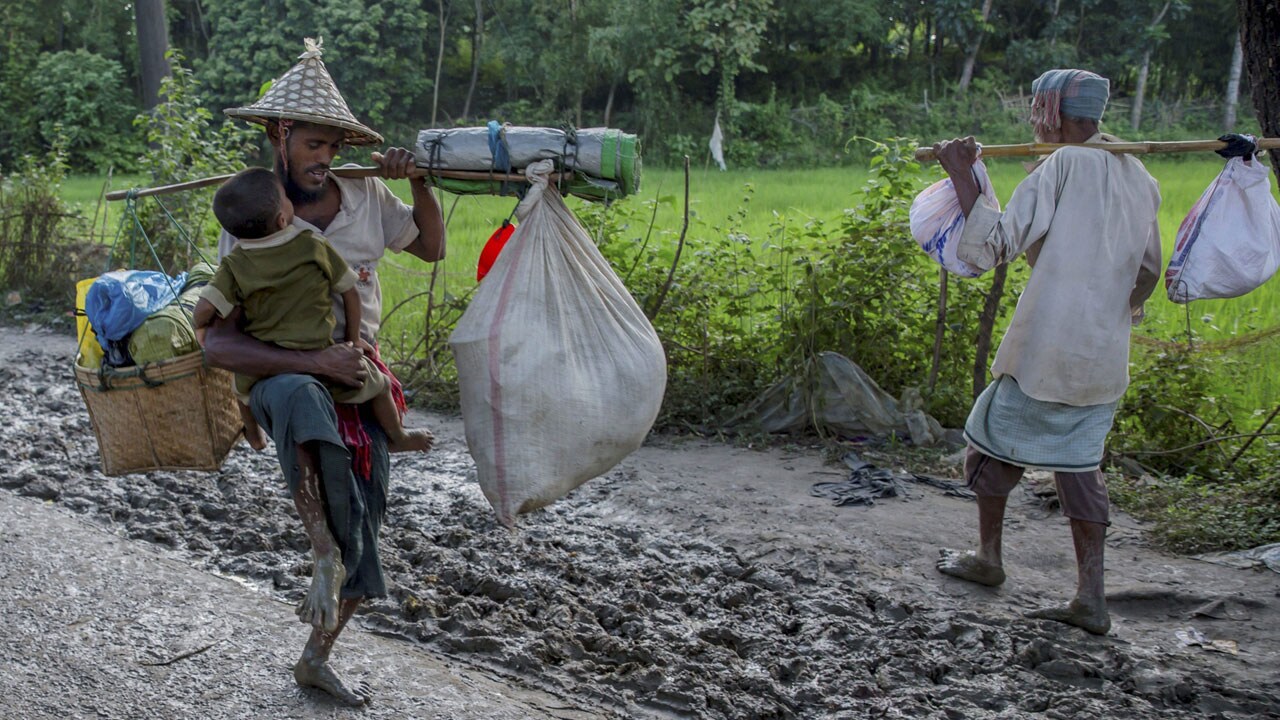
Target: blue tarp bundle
119,301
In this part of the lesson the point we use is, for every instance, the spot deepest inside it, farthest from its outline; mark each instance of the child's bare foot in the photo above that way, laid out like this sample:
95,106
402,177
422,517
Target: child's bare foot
256,437
411,441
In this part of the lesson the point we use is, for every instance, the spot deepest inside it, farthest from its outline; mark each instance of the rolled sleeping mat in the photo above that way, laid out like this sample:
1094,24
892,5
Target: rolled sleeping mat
605,161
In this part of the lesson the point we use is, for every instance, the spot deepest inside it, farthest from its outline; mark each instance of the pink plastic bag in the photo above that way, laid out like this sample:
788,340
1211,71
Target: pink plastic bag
937,221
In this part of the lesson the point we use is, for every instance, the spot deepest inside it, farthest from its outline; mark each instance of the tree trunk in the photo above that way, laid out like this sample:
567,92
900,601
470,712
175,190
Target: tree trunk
608,104
986,326
477,37
1260,35
1233,87
435,89
971,57
153,43
1140,92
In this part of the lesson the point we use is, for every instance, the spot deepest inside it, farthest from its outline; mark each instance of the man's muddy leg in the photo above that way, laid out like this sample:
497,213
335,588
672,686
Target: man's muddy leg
320,607
992,481
1088,610
1085,501
986,565
312,669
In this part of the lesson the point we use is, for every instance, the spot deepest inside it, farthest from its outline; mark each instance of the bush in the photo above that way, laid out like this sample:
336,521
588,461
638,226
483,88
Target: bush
184,145
39,258
739,314
83,97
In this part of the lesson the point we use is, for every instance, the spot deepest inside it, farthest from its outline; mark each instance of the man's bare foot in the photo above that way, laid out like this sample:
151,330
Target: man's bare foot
411,441
320,607
967,566
1087,616
320,675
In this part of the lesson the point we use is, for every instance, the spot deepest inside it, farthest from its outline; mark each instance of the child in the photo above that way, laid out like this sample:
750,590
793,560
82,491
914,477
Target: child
283,277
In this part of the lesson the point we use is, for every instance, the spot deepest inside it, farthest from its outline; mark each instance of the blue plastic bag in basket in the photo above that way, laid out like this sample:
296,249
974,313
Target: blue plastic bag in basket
118,301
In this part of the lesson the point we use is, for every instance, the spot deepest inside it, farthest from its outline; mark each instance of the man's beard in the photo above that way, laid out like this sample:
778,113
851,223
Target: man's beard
292,190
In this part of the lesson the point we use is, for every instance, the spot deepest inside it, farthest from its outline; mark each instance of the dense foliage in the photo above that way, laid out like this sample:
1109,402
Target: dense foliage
791,80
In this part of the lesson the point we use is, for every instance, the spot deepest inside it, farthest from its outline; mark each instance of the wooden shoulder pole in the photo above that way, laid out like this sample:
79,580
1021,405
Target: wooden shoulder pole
347,172
925,154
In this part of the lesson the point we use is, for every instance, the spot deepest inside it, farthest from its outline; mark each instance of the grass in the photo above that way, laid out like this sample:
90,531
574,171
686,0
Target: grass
755,203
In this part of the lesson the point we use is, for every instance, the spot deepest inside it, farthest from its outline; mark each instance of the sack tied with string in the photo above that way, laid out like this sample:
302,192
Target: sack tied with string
1229,244
561,374
937,221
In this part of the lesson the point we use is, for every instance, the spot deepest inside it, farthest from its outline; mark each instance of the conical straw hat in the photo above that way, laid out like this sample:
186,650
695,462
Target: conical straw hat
307,93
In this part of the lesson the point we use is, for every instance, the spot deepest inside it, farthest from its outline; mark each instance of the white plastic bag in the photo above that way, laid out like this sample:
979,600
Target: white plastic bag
560,372
937,221
1229,244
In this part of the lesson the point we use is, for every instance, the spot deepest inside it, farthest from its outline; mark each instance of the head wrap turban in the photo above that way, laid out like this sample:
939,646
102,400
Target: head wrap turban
1077,93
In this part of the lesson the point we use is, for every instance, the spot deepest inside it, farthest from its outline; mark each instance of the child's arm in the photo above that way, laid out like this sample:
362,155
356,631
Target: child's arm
203,318
216,300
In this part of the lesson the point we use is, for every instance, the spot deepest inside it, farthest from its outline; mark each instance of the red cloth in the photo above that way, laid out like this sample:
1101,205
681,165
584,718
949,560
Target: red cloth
492,248
351,427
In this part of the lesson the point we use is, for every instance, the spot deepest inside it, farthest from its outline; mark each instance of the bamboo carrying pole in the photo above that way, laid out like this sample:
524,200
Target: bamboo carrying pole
347,172
925,154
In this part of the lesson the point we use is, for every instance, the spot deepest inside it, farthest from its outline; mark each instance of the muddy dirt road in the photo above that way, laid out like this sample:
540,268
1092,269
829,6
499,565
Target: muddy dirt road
695,580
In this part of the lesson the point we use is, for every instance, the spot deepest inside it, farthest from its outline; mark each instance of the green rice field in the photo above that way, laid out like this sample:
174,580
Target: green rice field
755,203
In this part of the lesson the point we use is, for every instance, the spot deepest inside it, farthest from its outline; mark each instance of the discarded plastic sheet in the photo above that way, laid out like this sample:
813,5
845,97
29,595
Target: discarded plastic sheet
837,396
1191,637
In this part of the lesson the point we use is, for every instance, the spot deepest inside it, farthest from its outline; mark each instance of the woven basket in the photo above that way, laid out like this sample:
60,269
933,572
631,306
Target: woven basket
175,414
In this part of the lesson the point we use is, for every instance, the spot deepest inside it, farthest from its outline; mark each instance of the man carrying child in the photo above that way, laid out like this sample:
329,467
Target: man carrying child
282,278
334,461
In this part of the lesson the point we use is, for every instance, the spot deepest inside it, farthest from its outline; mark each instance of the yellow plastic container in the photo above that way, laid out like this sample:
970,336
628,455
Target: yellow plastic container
89,352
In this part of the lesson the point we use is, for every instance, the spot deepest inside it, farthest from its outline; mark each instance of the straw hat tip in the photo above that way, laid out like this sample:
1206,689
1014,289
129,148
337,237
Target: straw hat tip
314,47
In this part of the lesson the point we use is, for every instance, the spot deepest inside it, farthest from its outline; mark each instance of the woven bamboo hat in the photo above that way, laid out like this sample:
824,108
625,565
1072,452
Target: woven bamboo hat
307,93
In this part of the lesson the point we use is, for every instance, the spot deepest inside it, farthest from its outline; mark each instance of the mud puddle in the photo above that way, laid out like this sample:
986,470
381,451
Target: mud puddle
620,609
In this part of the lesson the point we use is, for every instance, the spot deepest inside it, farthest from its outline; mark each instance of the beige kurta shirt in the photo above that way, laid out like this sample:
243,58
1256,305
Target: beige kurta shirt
1086,220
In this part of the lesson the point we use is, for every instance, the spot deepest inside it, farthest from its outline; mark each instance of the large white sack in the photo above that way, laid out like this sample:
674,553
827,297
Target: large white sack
937,221
561,374
1229,244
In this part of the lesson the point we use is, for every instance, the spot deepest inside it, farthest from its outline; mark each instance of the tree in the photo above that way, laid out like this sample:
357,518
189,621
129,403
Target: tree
1155,33
376,51
153,43
477,38
1260,36
971,57
1233,87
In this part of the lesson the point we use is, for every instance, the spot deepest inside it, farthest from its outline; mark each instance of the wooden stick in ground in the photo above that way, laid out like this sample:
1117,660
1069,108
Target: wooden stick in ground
349,172
925,154
684,228
939,330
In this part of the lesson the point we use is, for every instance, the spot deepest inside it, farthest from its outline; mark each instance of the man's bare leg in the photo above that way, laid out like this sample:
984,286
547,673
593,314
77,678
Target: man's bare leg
986,566
320,607
1089,608
312,669
398,439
